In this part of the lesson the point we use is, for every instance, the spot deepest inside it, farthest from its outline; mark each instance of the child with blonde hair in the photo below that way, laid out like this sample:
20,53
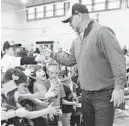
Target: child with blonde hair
53,83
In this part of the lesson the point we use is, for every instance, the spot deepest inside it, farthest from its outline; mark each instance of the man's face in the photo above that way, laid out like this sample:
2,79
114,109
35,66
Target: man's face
18,49
12,51
75,22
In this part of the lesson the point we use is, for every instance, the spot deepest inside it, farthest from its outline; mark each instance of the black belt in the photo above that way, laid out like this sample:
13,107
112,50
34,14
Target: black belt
97,91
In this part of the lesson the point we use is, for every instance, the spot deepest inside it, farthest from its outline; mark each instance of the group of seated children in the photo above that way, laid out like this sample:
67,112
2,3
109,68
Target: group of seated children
44,98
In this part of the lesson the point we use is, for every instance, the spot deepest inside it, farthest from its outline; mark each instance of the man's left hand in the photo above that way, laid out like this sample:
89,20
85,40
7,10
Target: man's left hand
117,97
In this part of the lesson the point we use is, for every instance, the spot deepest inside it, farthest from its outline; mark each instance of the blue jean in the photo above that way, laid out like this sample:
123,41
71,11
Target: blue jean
97,110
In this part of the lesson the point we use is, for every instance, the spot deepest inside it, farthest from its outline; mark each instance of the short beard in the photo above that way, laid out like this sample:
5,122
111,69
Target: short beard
77,30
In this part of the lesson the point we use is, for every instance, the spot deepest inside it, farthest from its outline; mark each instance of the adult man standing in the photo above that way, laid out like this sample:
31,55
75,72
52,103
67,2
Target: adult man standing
101,67
9,60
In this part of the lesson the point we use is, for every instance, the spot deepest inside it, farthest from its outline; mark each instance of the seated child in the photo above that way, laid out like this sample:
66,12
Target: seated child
11,99
37,88
37,85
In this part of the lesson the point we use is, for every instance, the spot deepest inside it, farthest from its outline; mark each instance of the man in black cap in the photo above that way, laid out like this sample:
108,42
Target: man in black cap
101,67
10,60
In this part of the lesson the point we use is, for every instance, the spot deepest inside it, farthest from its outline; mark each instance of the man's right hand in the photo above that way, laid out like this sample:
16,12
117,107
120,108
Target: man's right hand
40,58
47,52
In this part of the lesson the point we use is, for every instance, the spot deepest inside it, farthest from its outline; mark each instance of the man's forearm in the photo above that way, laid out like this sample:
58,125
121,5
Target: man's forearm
28,60
64,59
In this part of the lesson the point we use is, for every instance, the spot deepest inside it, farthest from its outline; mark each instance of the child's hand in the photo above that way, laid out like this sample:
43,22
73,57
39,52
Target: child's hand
51,117
7,125
16,96
60,113
55,85
29,71
39,95
76,104
45,103
74,95
4,124
50,94
53,110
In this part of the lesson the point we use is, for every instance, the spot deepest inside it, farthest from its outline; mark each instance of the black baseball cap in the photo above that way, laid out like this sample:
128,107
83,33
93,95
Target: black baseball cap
76,8
8,44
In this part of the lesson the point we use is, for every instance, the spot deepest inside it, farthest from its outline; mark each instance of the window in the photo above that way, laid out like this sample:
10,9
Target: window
86,2
73,2
39,12
89,8
49,10
45,11
31,13
31,16
39,15
112,0
59,9
113,4
39,9
128,4
99,1
66,6
31,10
100,6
